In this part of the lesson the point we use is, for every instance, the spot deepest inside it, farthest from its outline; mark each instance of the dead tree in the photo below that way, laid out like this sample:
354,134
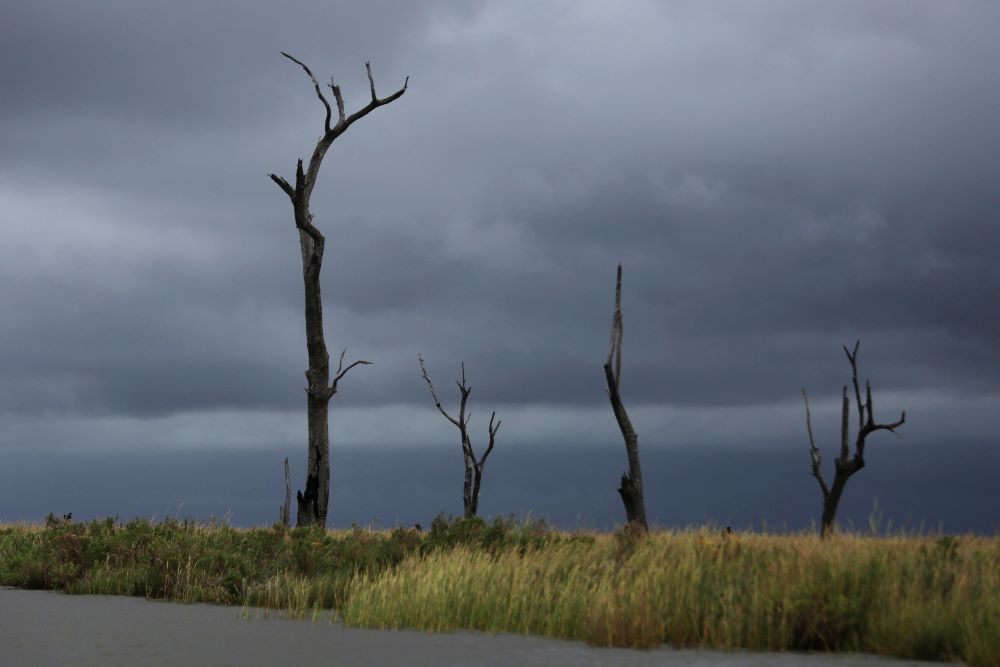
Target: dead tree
846,464
631,484
473,467
314,501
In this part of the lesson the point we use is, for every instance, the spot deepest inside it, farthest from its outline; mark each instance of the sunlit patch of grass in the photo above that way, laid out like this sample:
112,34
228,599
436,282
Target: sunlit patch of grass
921,598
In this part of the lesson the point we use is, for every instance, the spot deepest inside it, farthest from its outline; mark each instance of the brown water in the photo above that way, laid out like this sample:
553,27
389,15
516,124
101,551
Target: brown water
44,629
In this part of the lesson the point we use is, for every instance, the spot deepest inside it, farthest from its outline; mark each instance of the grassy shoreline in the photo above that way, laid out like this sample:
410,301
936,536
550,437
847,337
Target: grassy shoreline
931,598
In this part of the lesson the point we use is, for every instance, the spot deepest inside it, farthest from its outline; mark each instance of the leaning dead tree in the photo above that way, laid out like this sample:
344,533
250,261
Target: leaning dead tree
473,466
631,484
846,464
314,501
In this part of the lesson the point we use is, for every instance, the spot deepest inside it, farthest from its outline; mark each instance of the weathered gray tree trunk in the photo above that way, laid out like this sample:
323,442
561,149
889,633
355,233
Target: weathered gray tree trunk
631,483
313,502
473,467
846,464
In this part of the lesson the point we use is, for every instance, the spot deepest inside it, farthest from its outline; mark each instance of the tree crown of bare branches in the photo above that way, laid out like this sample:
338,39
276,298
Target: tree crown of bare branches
305,181
866,426
462,422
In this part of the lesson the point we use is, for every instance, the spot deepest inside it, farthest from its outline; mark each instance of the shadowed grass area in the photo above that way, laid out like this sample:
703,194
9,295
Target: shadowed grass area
935,598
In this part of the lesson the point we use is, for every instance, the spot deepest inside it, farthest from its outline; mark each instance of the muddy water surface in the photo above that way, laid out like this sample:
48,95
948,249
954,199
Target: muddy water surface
44,629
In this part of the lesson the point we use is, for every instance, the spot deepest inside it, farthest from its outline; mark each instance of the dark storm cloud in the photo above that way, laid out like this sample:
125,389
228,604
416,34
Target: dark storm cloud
778,182
178,62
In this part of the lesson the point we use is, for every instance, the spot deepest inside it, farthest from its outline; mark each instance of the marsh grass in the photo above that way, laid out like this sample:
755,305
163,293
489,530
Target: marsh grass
918,597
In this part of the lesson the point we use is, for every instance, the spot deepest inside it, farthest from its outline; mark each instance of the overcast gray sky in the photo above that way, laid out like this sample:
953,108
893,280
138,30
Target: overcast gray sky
778,179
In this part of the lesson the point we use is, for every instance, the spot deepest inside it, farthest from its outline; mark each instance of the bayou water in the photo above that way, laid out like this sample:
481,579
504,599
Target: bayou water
46,629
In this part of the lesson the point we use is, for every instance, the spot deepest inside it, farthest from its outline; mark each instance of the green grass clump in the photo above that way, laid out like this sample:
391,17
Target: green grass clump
933,598
186,562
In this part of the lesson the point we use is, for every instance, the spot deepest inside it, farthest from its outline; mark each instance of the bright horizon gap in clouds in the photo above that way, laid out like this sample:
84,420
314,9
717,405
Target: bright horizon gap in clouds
779,425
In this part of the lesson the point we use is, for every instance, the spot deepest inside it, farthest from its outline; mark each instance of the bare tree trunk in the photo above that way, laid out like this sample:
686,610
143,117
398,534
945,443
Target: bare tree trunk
285,511
313,502
631,484
473,467
470,502
832,501
312,505
846,464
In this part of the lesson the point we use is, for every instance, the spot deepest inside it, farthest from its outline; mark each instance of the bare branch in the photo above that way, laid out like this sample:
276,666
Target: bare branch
845,413
463,419
284,185
303,218
340,101
615,349
893,426
890,427
437,401
371,80
871,426
868,403
866,418
300,179
621,328
817,458
341,371
493,434
359,362
319,93
853,358
376,102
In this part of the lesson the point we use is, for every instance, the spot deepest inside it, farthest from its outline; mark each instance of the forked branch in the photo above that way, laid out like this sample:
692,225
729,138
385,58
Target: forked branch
493,434
341,371
817,457
866,410
376,102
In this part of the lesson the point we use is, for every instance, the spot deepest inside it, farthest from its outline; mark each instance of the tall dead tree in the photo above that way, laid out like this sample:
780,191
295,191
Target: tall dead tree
473,466
631,484
846,464
314,501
